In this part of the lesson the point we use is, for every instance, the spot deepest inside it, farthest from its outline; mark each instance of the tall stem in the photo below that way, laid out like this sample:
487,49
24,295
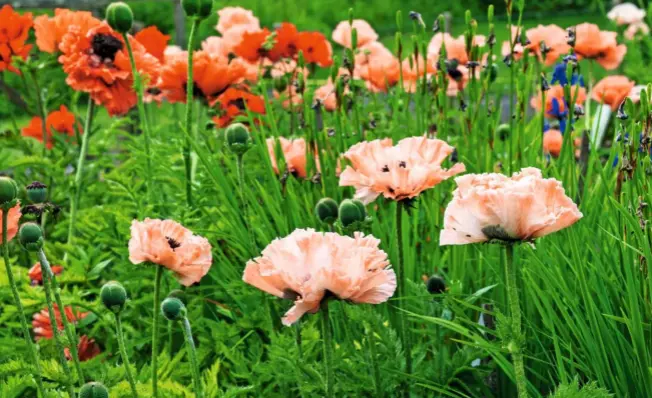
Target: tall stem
189,103
402,277
374,361
192,353
68,327
41,111
76,194
328,347
125,357
515,312
19,305
241,182
142,116
157,300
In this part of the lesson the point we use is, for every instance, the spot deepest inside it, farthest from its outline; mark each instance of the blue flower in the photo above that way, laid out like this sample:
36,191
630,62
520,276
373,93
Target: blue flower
559,75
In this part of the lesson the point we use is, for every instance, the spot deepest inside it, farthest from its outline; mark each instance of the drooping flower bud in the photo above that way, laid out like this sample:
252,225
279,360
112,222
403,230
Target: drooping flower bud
37,192
114,296
326,210
349,212
237,138
197,8
503,131
8,192
436,285
179,294
173,309
93,390
120,17
31,237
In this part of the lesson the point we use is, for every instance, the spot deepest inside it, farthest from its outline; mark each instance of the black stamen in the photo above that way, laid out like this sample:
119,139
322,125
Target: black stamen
173,243
106,46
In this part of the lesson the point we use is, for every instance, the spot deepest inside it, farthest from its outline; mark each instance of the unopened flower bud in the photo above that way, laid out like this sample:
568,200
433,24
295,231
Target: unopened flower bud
120,17
114,296
237,138
31,236
8,192
179,294
361,208
37,192
173,309
197,8
503,131
349,212
326,210
93,390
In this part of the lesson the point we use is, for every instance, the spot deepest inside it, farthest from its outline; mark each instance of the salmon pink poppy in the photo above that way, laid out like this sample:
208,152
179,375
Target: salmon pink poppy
87,349
231,17
552,142
488,207
455,47
51,30
612,90
365,33
154,41
236,102
61,122
14,31
43,327
169,244
397,172
309,267
635,30
592,43
36,273
327,95
13,217
294,152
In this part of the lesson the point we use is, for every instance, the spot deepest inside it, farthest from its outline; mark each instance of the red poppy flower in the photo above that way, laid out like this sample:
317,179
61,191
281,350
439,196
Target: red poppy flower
36,274
87,349
252,45
287,38
14,30
50,31
211,75
234,102
154,41
316,49
61,121
41,321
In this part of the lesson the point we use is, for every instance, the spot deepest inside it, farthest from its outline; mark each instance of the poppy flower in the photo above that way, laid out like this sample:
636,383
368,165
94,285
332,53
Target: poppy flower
592,43
61,121
551,37
294,152
290,97
87,349
552,142
211,76
43,327
286,42
14,31
455,47
36,274
493,206
556,105
97,62
635,30
253,45
365,33
612,90
327,95
414,71
315,48
13,217
626,14
236,102
635,93
230,17
397,172
168,244
215,46
51,30
309,267
154,41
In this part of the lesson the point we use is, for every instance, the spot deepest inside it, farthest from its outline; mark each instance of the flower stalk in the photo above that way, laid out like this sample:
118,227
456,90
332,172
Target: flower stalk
157,300
192,353
328,347
189,104
124,355
517,337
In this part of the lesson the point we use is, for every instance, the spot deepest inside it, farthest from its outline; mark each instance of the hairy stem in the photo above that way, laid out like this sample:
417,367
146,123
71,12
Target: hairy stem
125,357
328,347
157,299
189,104
192,353
515,312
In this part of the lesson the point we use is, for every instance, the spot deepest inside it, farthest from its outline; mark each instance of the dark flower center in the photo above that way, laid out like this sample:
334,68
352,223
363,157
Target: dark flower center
106,46
238,103
173,243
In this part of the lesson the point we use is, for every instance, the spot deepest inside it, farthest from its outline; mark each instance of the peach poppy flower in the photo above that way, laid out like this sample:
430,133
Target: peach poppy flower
326,94
169,244
592,43
230,17
61,121
13,217
290,97
556,100
612,90
236,102
14,31
397,172
51,30
215,46
43,327
493,206
455,47
316,48
154,41
554,38
342,33
414,72
639,29
552,142
87,349
635,93
36,274
308,267
626,14
173,51
294,152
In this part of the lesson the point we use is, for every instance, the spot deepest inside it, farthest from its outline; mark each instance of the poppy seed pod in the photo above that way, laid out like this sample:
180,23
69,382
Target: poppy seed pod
93,390
31,237
120,17
178,294
237,138
436,285
503,131
326,210
8,192
361,208
173,309
197,8
37,192
114,296
349,212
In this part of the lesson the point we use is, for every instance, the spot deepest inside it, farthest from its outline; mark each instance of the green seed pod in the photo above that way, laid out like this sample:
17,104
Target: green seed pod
349,212
37,192
114,296
8,192
173,309
237,138
179,294
326,210
93,390
120,17
361,208
503,131
31,237
197,8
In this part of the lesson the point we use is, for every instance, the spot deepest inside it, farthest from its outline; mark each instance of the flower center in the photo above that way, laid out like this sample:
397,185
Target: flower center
497,232
173,243
106,46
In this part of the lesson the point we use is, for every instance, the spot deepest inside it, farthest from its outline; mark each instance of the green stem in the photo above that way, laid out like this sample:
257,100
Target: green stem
68,327
241,181
374,361
142,116
125,357
192,353
76,194
517,335
157,299
328,347
402,277
19,305
189,103
42,112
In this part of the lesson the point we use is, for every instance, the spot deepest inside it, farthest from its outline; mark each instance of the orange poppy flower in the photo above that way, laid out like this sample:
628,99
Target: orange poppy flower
87,349
154,41
36,273
235,102
592,43
211,76
286,46
50,31
13,217
316,48
14,30
612,90
252,45
61,121
43,327
552,142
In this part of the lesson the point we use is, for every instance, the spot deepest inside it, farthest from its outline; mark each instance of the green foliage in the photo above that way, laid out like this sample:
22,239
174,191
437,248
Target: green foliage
573,390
